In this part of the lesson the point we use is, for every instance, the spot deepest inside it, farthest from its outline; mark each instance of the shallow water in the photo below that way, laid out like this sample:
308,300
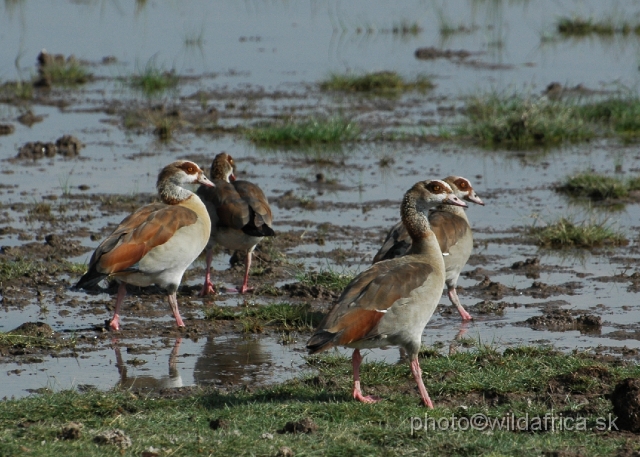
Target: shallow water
271,55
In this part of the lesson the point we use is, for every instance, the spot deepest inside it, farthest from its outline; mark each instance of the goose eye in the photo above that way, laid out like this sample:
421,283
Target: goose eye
436,188
190,170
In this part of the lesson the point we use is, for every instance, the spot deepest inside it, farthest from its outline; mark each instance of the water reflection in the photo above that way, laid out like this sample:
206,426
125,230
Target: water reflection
232,360
150,382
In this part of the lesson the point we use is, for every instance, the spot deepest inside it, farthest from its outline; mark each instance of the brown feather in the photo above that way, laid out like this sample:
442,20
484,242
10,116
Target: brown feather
361,306
448,227
151,226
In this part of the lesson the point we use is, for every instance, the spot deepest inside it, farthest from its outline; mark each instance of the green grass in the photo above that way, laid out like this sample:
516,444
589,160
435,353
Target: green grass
329,279
11,269
580,27
64,72
305,132
518,121
621,115
383,82
524,382
280,316
597,186
153,80
567,233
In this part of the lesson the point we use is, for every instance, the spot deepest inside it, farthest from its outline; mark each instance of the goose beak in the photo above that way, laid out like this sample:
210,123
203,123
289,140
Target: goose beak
473,197
202,179
232,177
451,199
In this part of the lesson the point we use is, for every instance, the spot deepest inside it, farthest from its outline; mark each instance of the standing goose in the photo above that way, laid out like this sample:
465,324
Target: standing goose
156,243
391,302
240,216
451,226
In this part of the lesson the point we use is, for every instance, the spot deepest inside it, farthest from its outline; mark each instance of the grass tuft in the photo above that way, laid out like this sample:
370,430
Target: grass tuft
64,72
328,279
598,187
520,121
305,132
566,233
153,80
581,27
282,316
383,82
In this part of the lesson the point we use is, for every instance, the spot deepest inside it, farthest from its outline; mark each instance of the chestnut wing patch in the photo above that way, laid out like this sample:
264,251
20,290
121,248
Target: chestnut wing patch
363,303
150,226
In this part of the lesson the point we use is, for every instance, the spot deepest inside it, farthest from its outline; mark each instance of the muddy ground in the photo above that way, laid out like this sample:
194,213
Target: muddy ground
51,235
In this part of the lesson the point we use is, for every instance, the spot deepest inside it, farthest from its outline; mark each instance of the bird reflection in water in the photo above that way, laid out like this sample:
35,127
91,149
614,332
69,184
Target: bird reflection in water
149,382
234,361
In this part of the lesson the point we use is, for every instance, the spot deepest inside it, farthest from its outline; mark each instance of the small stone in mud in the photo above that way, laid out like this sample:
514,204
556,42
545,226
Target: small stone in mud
37,150
69,145
7,129
305,425
28,118
490,307
626,404
215,424
114,437
37,329
71,431
285,451
434,53
589,320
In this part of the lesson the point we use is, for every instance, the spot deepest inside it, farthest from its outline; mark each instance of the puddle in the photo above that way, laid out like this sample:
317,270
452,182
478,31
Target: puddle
260,60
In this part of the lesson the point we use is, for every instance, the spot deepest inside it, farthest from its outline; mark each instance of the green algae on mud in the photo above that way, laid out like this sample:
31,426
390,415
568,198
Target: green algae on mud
315,414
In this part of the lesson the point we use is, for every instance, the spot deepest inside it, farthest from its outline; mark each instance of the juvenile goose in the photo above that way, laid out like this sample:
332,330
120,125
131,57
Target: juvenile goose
391,302
156,243
240,216
452,228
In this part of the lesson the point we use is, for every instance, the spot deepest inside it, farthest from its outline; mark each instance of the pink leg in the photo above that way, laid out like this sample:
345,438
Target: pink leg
417,374
115,321
245,284
173,302
453,296
173,359
356,360
208,287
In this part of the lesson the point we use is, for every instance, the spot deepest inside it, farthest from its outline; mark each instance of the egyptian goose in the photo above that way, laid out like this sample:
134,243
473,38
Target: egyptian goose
156,243
240,216
451,226
391,302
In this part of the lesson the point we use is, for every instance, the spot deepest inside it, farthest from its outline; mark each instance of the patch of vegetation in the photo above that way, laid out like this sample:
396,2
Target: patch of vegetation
64,72
519,121
580,27
622,115
16,268
567,233
382,82
282,316
18,89
522,383
328,279
598,187
305,132
153,80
